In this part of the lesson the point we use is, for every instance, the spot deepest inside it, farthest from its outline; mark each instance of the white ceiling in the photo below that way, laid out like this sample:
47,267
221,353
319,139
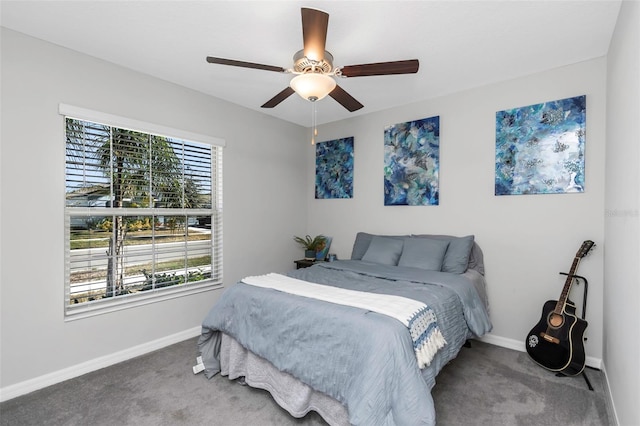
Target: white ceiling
460,44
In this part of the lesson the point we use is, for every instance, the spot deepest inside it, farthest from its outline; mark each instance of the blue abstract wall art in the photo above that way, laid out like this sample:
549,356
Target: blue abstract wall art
412,162
540,148
334,168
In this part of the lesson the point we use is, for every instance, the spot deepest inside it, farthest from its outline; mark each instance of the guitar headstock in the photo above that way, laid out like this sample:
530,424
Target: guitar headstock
585,248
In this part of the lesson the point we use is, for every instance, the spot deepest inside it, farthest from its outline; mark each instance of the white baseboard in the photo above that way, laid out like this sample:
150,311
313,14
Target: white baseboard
49,379
518,345
34,384
610,403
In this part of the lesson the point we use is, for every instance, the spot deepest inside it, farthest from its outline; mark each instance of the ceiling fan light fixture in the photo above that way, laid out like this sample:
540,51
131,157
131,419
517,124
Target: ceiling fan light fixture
313,66
312,86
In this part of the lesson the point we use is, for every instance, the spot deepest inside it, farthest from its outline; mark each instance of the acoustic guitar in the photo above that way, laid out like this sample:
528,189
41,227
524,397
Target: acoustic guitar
557,341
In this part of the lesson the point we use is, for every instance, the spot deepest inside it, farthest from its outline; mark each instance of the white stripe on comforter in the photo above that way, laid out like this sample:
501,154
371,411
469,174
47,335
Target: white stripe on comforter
416,316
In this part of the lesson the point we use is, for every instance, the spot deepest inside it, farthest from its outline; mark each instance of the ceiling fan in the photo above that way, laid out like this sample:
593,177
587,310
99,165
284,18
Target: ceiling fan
314,70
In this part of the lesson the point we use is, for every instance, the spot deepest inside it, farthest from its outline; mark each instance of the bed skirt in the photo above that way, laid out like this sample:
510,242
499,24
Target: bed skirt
288,392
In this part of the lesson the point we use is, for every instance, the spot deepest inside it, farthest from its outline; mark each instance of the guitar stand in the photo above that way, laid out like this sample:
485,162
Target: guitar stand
579,278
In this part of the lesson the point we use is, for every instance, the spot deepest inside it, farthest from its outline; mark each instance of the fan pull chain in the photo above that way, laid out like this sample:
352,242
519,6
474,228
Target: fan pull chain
314,129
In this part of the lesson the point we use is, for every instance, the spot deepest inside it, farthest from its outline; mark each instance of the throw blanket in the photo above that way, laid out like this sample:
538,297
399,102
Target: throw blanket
416,316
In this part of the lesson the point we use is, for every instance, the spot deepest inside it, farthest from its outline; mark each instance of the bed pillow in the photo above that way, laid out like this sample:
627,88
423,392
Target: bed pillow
360,245
423,253
456,259
384,250
363,239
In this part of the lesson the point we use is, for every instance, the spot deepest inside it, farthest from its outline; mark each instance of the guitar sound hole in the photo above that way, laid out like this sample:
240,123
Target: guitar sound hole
555,320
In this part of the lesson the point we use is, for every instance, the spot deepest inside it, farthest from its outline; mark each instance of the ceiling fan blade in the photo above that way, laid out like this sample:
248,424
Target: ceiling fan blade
288,91
314,32
243,64
345,99
409,66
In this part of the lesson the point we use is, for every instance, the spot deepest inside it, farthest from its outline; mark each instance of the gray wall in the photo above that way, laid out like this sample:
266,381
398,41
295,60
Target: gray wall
527,239
622,218
264,172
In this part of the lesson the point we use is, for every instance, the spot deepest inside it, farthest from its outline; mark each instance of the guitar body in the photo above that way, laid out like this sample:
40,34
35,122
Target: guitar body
556,342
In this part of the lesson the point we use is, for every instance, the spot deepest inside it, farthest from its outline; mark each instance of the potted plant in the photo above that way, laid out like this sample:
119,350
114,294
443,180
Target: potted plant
311,245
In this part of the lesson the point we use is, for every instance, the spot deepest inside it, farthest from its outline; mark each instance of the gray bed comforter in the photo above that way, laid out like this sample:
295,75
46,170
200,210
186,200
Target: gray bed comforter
363,359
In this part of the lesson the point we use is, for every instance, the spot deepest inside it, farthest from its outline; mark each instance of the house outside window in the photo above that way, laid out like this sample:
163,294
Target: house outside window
143,213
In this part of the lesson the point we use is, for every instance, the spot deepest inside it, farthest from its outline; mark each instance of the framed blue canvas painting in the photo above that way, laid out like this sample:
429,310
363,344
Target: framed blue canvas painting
322,253
334,168
540,148
412,162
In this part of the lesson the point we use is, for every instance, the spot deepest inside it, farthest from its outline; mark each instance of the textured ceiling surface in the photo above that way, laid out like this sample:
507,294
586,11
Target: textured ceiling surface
460,44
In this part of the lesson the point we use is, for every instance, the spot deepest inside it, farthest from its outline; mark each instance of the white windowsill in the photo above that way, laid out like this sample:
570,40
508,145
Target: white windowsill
104,306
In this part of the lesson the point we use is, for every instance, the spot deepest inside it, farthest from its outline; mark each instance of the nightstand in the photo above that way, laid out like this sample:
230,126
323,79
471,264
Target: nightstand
303,263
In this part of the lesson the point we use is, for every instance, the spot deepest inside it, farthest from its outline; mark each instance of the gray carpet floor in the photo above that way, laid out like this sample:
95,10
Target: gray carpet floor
484,385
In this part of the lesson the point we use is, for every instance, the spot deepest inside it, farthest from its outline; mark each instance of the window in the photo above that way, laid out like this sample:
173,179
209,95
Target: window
143,213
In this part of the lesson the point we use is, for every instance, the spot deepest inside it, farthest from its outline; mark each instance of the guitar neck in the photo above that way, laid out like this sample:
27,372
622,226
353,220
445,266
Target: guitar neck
562,300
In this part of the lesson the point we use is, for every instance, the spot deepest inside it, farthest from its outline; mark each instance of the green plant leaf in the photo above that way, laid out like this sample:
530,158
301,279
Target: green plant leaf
308,243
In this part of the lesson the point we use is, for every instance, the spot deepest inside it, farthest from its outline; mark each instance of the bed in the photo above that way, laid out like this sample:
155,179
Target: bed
360,341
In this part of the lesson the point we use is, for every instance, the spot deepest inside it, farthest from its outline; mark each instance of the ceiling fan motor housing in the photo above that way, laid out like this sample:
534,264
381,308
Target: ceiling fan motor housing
302,64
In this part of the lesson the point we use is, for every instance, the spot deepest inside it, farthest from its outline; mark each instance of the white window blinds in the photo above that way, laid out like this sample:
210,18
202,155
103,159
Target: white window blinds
143,214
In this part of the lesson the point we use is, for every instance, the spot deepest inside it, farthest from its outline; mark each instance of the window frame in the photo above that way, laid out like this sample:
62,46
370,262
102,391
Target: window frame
101,306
